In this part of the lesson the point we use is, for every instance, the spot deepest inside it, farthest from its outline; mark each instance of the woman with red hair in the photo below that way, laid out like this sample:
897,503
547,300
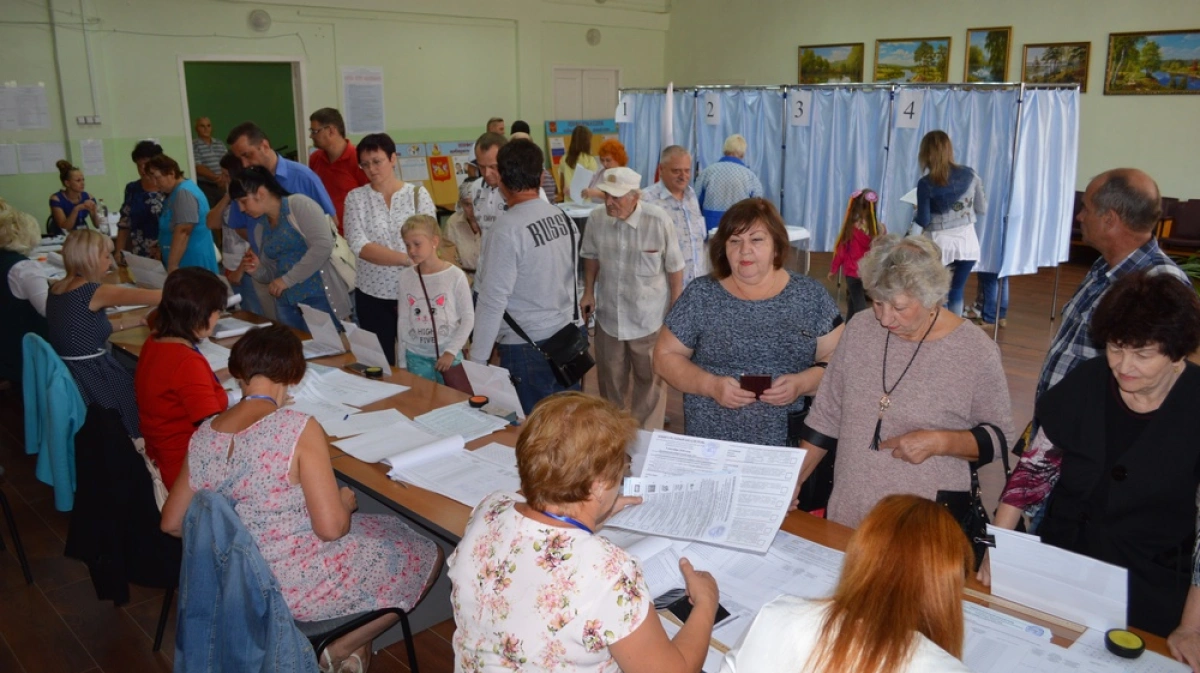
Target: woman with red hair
901,616
612,154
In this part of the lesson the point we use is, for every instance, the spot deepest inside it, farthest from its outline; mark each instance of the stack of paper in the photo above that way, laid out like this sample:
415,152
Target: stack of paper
460,419
330,394
146,272
231,327
217,356
464,476
723,493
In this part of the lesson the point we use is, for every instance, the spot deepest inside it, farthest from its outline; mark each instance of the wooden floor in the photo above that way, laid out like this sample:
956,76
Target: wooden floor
56,625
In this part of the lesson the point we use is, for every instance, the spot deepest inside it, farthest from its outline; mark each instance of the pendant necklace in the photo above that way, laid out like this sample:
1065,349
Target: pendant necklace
886,400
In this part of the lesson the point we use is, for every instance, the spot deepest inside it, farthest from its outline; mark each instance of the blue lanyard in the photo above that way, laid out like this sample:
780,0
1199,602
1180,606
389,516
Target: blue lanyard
261,397
197,349
567,519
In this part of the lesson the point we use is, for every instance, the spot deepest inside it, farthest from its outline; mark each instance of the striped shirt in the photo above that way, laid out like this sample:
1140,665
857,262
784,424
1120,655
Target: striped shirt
1073,343
209,154
689,226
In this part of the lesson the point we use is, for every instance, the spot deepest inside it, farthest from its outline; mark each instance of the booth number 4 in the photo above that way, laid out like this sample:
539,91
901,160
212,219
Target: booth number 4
908,108
800,108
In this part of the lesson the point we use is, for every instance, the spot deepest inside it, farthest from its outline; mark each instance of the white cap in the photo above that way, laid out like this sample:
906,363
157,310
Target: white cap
619,181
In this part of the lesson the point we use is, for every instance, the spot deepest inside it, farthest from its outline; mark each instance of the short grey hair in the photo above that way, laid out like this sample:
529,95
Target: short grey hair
911,265
1138,206
672,151
735,146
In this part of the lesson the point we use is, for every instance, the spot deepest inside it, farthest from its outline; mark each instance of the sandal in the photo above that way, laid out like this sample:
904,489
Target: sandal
352,664
326,663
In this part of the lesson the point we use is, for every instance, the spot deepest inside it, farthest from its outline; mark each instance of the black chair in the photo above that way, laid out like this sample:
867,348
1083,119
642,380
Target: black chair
1183,235
16,537
324,632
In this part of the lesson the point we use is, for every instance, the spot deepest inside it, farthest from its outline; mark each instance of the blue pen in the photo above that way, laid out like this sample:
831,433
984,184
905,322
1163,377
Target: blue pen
346,417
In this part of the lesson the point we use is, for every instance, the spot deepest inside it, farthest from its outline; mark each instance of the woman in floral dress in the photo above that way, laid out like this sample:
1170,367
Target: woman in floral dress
274,464
536,590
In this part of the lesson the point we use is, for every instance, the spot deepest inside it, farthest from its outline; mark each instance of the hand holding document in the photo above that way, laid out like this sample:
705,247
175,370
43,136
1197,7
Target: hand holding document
729,494
366,347
325,339
1058,582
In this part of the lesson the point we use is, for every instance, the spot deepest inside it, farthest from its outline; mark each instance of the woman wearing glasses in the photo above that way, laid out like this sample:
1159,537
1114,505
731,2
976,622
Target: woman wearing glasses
374,215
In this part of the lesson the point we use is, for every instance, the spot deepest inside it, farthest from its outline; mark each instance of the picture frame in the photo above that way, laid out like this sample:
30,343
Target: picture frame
987,55
918,60
1056,63
830,63
1153,63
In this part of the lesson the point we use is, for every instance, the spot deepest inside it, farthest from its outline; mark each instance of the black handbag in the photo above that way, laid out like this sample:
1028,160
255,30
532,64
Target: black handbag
815,491
566,351
967,507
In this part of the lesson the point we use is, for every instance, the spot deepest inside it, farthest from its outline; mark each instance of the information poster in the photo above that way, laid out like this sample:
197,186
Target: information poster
362,91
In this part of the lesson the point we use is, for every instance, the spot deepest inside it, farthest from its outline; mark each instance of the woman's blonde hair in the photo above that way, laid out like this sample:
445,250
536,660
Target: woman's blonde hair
905,264
570,441
936,156
19,231
904,571
81,251
421,224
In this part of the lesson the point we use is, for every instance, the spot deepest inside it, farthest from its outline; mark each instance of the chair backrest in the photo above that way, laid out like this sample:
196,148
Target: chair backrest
1168,206
1187,220
232,615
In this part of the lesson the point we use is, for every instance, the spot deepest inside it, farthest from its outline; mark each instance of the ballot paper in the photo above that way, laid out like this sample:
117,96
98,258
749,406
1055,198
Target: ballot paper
987,649
495,383
366,347
231,327
1090,646
330,384
460,419
394,440
146,272
580,182
464,476
910,197
1058,582
723,493
217,356
325,339
361,423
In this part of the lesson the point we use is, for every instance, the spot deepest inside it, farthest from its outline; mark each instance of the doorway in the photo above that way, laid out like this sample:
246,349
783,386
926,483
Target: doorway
585,93
232,90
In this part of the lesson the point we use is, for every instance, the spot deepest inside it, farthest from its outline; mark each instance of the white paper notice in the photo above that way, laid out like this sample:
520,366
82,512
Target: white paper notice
365,346
579,182
624,113
362,93
1058,582
800,107
8,159
909,103
33,112
413,169
8,109
40,157
93,157
712,108
910,198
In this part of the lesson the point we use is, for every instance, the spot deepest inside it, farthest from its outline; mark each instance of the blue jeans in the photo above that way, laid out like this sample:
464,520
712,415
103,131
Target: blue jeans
991,288
250,300
961,271
291,316
531,373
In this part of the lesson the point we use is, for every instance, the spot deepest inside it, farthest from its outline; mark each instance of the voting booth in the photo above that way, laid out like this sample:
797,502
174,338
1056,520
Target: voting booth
814,145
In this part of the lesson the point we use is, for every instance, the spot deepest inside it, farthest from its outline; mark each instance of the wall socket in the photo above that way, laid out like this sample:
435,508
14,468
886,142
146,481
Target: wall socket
88,120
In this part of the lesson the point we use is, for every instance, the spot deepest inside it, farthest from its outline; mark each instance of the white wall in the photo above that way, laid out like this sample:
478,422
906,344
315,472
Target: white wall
448,65
757,42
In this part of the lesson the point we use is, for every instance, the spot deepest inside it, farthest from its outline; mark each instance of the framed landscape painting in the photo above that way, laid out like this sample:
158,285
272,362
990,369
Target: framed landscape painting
987,54
831,63
1056,63
1159,62
916,60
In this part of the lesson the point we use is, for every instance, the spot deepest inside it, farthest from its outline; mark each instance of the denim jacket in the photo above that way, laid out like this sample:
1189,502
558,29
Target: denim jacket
54,412
952,205
232,616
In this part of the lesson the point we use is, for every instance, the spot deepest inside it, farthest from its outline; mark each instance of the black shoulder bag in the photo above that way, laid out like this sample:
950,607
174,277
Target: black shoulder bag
967,506
567,350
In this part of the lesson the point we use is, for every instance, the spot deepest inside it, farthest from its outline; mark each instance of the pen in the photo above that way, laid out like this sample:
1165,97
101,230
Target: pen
346,417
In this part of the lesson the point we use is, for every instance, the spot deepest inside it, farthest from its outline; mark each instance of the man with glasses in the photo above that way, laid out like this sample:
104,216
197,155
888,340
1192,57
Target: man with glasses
631,248
336,159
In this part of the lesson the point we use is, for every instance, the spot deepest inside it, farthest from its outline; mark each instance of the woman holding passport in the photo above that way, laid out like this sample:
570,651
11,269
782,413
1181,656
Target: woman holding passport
748,342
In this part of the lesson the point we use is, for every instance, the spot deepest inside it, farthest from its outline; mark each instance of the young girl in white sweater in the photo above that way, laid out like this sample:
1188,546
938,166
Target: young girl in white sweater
436,313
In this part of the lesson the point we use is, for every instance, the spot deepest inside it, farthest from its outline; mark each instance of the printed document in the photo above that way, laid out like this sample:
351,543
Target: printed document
729,494
325,340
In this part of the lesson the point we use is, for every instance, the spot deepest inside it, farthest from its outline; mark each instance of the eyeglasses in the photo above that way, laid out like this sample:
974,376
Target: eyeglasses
313,132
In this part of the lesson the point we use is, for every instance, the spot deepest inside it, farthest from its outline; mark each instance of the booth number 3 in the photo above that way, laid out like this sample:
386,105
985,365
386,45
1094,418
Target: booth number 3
800,108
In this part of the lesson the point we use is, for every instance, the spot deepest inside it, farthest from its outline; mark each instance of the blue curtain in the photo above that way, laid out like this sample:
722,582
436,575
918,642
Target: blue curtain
643,137
981,124
1039,221
842,150
757,115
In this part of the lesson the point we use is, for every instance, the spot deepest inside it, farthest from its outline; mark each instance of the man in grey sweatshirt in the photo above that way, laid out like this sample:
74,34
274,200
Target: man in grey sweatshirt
531,272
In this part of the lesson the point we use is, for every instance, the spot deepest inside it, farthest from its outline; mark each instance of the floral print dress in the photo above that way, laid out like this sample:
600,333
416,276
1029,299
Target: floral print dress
380,563
534,597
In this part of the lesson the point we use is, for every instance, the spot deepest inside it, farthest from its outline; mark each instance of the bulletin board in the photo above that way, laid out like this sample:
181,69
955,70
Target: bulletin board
448,168
412,164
